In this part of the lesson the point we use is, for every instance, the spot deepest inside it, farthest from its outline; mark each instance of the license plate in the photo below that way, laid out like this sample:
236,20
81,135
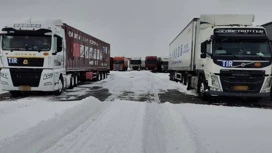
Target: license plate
240,88
25,88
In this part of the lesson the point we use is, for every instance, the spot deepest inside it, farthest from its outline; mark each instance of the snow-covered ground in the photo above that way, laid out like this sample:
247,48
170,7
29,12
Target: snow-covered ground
126,123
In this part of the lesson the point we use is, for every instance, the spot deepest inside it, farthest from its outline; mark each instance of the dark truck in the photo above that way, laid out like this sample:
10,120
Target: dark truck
151,63
136,63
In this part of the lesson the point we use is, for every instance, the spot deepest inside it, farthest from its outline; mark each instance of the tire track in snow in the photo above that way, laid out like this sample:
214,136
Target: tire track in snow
47,133
113,131
192,132
167,131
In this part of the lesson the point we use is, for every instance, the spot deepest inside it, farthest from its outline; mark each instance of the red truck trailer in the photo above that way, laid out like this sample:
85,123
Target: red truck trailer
151,63
87,57
56,57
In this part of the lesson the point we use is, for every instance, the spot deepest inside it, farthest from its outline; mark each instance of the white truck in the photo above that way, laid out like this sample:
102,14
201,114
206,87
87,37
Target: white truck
222,55
49,56
164,64
136,63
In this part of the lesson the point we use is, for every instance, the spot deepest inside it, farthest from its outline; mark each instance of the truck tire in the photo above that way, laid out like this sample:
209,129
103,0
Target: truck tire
201,87
184,79
103,76
189,82
61,86
98,76
171,76
15,93
75,81
71,82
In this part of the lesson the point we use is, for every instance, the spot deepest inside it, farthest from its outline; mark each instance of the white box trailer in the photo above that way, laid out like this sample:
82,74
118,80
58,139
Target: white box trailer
182,49
222,55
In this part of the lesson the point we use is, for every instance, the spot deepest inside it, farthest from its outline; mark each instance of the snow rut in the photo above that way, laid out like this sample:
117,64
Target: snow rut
117,129
165,130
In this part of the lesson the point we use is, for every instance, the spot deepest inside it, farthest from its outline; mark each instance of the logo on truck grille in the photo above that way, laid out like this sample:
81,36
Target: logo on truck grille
25,62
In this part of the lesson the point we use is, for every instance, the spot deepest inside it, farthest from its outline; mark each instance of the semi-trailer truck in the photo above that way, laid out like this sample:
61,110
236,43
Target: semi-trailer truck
50,56
151,63
222,55
136,63
120,63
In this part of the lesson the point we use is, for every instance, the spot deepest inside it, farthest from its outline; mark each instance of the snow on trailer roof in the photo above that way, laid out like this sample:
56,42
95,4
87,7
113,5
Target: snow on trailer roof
221,20
228,19
35,23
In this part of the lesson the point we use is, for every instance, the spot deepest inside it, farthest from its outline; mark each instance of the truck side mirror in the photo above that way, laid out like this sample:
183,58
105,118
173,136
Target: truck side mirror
58,43
203,55
203,47
59,48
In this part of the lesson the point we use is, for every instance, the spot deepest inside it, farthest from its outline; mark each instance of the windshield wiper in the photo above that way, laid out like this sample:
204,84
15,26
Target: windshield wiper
235,56
260,56
12,49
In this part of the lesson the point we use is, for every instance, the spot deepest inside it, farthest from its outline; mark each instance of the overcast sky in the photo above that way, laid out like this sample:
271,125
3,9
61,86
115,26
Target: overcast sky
132,27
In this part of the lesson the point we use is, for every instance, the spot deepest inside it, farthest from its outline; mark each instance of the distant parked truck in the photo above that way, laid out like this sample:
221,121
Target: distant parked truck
151,63
164,64
136,63
120,63
50,56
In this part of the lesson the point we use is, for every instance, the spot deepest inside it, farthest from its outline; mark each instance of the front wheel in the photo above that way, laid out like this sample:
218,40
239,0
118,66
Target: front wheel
201,90
60,87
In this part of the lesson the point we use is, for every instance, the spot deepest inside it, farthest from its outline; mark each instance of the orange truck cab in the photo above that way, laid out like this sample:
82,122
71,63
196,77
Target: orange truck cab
118,63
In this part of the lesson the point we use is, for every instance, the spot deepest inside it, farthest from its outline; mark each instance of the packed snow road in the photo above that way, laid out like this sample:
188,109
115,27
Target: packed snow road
139,112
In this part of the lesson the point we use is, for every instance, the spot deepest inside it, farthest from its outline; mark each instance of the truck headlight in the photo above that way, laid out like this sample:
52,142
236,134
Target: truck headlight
47,76
4,75
215,81
267,83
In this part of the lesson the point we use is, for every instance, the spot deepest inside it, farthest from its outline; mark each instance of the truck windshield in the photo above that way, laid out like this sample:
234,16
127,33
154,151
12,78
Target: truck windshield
118,62
26,43
151,62
249,48
164,63
135,62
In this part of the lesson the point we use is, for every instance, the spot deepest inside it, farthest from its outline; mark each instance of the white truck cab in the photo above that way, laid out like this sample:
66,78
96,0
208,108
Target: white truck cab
33,57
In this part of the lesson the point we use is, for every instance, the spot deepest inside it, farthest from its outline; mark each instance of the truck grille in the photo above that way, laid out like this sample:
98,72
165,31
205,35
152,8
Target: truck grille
117,67
26,77
252,79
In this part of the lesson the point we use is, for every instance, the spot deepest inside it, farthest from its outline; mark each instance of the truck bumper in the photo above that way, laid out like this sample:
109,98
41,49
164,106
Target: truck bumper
50,87
223,94
43,84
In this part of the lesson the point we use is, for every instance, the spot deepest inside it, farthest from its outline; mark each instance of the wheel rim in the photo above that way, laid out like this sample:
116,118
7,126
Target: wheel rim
60,85
76,81
72,81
